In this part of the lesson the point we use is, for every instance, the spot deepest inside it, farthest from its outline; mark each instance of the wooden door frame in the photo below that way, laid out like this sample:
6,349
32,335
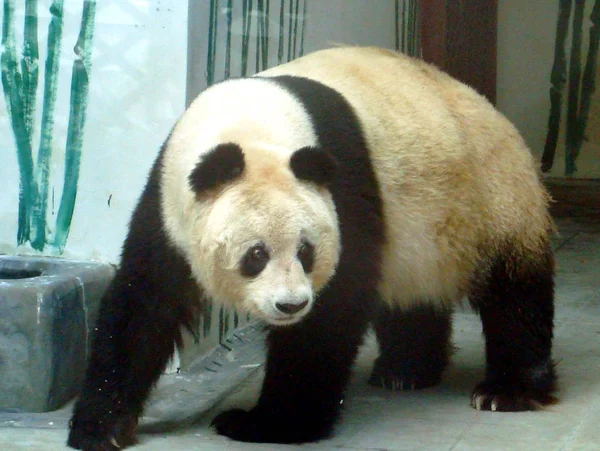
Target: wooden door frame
460,37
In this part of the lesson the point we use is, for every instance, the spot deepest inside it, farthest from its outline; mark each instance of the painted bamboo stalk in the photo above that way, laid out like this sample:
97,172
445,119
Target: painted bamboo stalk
289,34
206,316
281,28
304,21
407,14
80,79
262,43
295,32
406,26
265,41
30,64
588,83
229,18
397,24
574,86
212,37
47,127
12,86
247,7
558,78
223,324
413,38
259,34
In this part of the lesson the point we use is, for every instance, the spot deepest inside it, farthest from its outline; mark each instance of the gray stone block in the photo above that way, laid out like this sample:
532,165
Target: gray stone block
48,307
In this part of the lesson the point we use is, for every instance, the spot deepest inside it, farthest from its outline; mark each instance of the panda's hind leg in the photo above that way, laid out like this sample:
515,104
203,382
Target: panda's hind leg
414,346
515,302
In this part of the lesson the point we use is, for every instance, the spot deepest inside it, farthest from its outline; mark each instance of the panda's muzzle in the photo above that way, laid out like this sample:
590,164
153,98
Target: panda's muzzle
291,308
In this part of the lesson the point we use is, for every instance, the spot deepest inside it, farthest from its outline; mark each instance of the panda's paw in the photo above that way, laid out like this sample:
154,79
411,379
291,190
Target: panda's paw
84,437
252,426
502,398
390,379
88,443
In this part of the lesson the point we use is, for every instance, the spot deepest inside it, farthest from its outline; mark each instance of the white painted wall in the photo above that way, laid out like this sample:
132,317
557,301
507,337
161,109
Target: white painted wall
525,54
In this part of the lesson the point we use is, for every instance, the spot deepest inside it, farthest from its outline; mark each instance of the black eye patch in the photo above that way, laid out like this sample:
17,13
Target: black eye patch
254,260
306,255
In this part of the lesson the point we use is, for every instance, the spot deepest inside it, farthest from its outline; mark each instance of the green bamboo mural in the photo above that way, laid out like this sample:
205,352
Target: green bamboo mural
20,89
14,96
80,81
48,108
580,87
252,21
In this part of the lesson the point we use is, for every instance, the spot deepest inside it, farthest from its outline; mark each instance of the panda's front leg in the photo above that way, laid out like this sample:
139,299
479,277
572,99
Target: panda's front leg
308,367
135,336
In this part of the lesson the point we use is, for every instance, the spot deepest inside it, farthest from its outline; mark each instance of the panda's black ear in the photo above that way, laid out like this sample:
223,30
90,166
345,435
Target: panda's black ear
222,164
314,165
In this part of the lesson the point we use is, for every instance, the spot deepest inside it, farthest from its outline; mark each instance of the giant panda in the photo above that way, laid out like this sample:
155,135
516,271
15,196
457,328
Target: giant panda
350,188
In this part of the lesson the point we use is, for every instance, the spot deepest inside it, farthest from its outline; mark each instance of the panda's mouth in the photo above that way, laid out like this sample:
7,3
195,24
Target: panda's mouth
283,312
285,321
276,318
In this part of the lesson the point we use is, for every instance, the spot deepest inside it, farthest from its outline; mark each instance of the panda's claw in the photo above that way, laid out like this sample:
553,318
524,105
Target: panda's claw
86,437
500,398
88,443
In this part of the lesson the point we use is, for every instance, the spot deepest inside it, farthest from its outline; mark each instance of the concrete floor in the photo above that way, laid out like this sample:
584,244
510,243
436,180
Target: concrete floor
440,418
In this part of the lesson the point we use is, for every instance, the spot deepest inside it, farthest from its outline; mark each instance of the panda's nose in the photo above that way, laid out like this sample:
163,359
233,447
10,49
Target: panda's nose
290,308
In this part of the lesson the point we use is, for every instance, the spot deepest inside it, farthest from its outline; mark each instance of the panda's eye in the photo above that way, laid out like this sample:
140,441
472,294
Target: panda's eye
254,261
306,255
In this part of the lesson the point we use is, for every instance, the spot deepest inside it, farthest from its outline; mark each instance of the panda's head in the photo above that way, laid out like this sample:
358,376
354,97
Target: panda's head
255,220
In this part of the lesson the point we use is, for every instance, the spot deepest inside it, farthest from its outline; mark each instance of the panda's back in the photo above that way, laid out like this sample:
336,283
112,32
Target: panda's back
455,177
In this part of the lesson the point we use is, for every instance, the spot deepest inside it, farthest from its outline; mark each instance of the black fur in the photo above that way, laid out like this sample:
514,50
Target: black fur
137,329
254,261
222,164
515,300
313,165
309,364
414,344
306,255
